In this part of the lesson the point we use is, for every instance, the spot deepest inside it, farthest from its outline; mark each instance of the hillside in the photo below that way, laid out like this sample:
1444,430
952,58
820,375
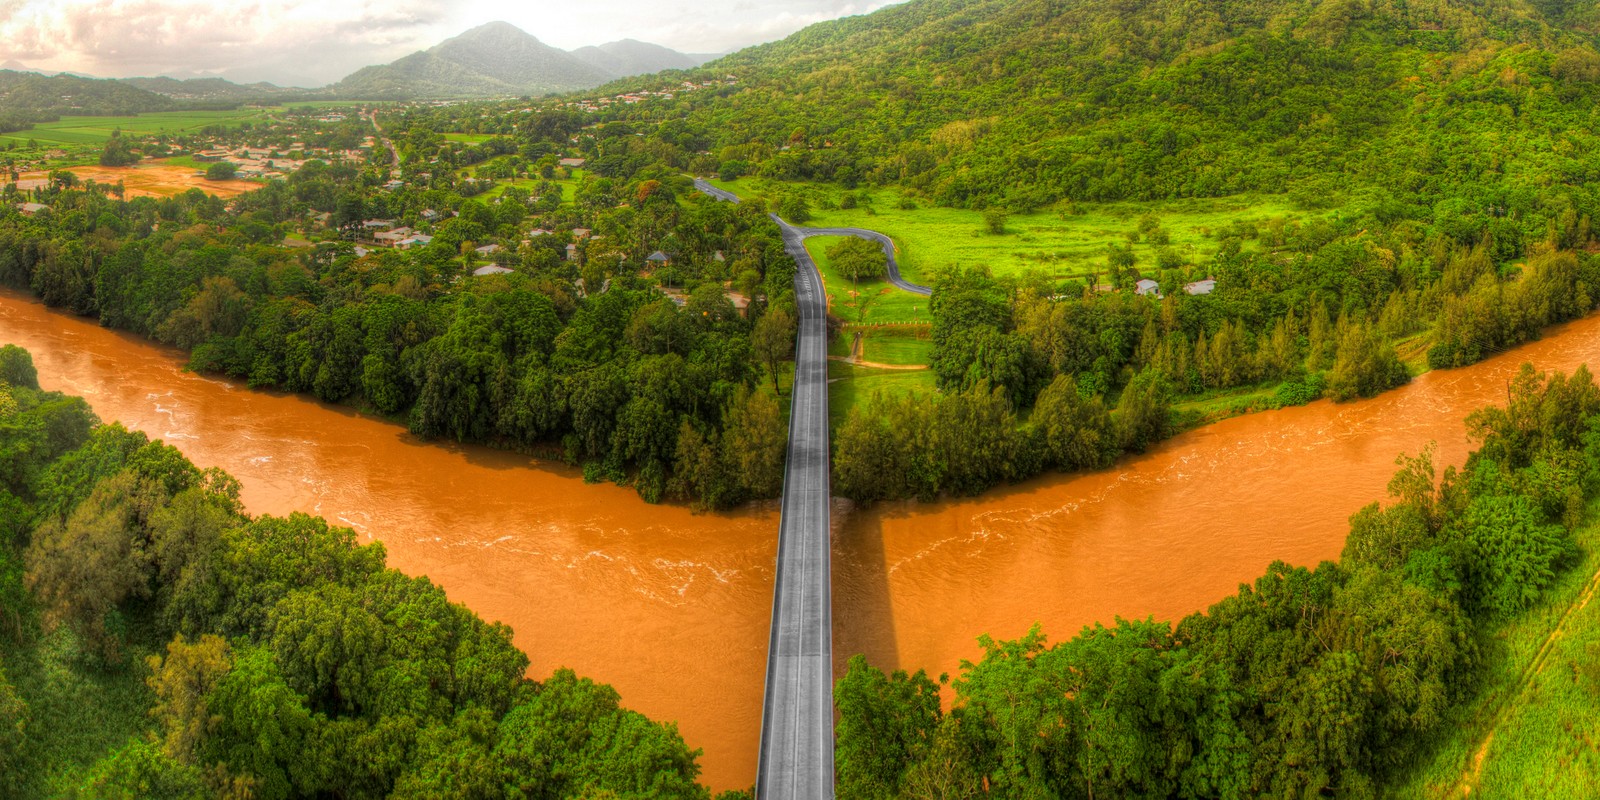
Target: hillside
27,97
491,60
1025,102
214,89
632,57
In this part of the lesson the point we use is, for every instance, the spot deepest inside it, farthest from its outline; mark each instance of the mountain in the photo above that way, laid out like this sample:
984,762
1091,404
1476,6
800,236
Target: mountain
30,97
213,89
632,57
489,60
1021,103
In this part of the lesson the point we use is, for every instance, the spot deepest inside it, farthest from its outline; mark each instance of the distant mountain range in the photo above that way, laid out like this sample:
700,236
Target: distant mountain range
501,59
493,60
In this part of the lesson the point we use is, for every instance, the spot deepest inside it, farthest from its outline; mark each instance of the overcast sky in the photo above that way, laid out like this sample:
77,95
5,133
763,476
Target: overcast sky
314,42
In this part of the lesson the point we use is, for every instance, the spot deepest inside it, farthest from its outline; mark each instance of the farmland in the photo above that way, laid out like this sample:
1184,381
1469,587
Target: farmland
158,178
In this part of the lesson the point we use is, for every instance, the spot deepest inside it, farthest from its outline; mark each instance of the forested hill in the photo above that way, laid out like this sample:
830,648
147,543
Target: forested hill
1022,102
29,97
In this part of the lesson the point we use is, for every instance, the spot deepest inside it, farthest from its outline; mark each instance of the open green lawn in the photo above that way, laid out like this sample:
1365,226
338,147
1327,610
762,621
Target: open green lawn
569,185
96,130
1535,708
849,385
468,138
1064,242
890,304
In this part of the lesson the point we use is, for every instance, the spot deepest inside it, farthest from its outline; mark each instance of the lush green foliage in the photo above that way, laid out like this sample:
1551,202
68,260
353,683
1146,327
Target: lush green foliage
1307,683
576,355
285,659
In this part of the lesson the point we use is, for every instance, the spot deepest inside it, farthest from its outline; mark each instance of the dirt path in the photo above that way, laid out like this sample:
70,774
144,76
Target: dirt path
1535,667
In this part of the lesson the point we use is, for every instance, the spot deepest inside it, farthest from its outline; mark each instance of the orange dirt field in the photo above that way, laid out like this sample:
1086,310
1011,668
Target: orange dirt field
158,179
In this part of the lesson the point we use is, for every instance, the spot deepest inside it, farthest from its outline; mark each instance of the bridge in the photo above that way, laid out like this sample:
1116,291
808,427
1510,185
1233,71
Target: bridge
796,754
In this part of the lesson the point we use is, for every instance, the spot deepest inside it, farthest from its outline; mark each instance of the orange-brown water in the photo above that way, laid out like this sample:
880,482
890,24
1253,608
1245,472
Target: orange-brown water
671,607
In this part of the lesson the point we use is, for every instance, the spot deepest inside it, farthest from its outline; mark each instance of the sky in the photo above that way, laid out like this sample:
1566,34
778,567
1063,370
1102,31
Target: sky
315,42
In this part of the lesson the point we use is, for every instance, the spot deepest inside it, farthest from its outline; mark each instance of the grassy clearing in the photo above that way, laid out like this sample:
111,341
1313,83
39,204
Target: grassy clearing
80,711
1064,242
890,305
849,385
1531,729
468,138
569,185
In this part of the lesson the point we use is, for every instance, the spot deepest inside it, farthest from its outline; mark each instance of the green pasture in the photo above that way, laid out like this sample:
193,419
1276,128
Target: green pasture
69,131
468,138
1065,241
900,345
890,305
849,385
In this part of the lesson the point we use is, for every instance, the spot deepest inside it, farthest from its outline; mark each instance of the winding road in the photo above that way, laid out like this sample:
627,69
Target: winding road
796,755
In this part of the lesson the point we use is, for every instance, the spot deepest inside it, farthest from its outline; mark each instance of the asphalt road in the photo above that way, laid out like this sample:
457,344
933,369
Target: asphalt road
888,250
797,721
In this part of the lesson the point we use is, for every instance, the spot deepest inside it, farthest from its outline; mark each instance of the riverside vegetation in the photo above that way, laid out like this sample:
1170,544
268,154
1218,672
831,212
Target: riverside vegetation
159,642
1342,680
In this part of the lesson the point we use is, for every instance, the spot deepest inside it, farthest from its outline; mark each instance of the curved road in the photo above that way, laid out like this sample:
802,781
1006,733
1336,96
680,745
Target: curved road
796,761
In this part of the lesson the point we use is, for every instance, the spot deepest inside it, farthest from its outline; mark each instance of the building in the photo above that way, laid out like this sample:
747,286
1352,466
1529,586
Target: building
418,240
1206,286
1147,287
377,224
658,258
492,269
29,209
489,249
573,162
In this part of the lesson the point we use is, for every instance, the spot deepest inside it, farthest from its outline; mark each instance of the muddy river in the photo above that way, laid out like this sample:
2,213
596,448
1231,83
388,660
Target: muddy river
671,607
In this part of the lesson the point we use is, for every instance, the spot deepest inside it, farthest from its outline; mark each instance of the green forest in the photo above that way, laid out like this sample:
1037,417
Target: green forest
158,642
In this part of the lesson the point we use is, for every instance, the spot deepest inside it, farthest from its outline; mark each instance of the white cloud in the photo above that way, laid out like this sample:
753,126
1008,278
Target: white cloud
312,42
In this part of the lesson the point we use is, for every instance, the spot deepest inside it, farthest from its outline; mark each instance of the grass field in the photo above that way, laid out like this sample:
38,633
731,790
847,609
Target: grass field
890,305
849,385
468,138
900,345
569,185
1060,243
69,131
1531,729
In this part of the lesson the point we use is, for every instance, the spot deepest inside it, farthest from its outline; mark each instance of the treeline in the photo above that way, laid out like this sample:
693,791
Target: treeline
1077,376
1310,682
285,659
579,356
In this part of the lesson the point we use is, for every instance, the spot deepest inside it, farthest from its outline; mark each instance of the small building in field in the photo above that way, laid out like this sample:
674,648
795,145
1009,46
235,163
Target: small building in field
419,240
581,233
377,224
572,252
1148,288
573,163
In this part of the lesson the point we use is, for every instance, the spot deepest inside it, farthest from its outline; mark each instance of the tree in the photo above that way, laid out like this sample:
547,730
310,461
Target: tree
994,220
858,259
1143,411
773,341
16,367
222,171
117,153
755,440
886,724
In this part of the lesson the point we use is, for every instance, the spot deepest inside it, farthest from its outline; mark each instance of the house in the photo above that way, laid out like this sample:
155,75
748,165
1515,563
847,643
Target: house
492,269
395,235
658,258
1147,287
377,224
414,241
429,214
572,252
1206,286
394,184
489,249
29,209
581,233
539,232
573,162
